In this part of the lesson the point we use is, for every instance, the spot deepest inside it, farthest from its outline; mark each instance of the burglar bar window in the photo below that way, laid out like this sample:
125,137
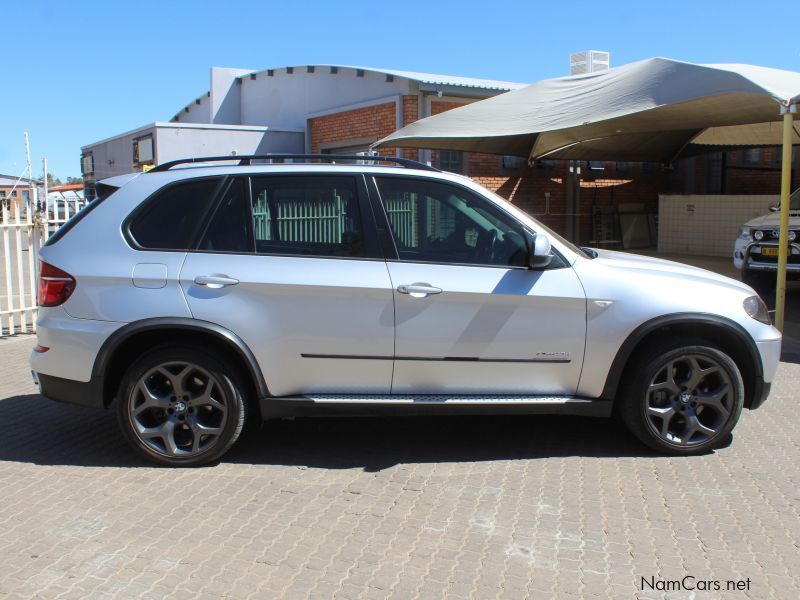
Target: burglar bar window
143,150
451,160
752,157
87,163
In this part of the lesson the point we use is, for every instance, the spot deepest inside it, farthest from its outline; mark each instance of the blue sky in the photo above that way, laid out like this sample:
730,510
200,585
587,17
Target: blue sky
77,72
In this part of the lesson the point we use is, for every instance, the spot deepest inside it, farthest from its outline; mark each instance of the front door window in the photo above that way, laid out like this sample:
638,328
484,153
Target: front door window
439,223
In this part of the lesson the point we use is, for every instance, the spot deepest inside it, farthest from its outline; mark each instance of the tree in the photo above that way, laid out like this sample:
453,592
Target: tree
52,180
74,180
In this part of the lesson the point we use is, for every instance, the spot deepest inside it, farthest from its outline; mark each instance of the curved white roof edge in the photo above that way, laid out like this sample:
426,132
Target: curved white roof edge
426,78
432,78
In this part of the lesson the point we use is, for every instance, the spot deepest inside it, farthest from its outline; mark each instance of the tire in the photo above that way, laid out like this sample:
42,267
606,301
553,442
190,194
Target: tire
682,397
191,427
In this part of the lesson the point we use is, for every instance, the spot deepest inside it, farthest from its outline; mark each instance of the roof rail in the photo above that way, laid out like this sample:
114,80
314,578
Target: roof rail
247,160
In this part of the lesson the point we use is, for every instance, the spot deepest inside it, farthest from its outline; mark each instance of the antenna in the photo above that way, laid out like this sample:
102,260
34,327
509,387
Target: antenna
28,156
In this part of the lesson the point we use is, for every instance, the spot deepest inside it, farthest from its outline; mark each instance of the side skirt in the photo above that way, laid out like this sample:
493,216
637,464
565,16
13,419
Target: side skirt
340,405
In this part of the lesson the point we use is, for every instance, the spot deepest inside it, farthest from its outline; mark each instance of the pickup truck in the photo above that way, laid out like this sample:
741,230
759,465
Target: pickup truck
755,251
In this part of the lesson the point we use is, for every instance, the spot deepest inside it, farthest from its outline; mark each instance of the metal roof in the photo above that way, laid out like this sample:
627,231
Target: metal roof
432,78
429,78
12,179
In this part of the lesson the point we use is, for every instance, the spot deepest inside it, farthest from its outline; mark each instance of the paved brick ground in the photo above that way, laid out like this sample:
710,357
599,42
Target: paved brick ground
415,508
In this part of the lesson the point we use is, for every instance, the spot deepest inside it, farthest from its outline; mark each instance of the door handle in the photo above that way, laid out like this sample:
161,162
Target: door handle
419,290
215,282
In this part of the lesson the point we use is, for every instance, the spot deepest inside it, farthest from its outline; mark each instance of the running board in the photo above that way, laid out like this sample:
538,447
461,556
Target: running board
399,404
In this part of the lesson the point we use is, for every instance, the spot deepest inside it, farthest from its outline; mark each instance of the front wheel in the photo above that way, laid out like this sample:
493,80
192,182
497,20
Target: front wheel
180,406
683,397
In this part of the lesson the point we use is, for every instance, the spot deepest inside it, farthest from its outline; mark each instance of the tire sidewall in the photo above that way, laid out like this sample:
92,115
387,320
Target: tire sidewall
227,382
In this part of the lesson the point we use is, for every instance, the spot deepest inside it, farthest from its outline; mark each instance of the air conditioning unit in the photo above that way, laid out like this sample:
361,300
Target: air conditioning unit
590,61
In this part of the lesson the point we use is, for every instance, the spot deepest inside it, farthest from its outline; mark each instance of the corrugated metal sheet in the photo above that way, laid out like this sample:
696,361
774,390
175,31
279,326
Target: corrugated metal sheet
429,78
10,180
432,78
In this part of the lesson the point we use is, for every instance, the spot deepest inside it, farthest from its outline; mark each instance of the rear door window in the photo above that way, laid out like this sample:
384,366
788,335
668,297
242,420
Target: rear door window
308,216
172,218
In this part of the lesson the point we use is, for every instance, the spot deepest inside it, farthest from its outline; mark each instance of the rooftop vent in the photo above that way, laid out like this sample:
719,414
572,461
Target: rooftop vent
590,61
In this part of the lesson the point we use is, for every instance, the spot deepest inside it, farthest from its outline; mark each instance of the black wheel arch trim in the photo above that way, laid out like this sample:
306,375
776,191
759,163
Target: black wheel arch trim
125,332
637,335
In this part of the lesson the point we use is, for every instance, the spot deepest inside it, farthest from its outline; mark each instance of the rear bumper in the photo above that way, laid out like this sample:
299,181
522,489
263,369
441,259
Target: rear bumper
73,344
82,393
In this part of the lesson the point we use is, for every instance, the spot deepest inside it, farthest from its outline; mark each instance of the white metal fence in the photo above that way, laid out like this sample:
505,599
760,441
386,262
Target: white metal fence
24,227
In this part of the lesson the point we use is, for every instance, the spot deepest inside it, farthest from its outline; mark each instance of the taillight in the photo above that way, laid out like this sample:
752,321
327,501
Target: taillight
55,285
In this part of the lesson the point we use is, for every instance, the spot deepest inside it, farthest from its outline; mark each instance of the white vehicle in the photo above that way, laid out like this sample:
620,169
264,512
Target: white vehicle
755,251
190,298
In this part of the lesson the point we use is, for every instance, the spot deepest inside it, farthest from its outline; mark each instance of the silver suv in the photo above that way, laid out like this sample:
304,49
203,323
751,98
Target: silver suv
196,296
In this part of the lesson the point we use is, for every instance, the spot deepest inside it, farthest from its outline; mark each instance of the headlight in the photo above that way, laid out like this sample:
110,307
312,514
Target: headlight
792,236
745,233
759,235
755,307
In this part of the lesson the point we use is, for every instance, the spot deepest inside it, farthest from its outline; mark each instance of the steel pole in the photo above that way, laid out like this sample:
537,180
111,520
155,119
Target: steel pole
44,168
783,240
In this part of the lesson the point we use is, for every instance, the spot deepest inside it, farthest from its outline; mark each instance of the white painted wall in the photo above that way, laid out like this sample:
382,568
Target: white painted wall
226,97
198,113
177,140
115,156
285,101
706,225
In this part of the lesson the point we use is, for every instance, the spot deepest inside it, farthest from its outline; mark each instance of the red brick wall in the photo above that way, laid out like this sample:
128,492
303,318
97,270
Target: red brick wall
410,114
372,121
528,187
743,180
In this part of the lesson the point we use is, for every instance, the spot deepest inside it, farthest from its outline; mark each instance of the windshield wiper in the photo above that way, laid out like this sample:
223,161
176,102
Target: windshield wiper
590,252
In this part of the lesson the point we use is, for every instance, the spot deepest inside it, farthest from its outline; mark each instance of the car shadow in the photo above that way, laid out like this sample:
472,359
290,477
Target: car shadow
39,431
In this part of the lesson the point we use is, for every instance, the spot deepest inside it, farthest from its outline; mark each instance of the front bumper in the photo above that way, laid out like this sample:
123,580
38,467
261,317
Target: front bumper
770,352
760,394
750,256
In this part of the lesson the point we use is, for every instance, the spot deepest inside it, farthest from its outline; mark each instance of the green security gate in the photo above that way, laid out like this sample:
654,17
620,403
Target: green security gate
324,221
300,221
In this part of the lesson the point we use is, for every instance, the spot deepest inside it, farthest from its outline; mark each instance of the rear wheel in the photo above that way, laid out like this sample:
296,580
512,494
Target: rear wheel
683,397
180,406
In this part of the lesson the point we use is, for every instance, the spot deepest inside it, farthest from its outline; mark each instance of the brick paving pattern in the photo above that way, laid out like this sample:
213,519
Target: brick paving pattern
525,507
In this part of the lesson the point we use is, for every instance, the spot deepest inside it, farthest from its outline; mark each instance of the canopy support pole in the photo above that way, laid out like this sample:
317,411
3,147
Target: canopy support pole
783,240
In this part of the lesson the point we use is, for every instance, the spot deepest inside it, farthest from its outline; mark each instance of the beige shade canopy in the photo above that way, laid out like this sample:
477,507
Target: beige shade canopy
652,110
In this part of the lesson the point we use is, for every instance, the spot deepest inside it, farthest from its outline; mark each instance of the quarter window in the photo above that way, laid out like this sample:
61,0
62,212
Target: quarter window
311,216
172,218
439,223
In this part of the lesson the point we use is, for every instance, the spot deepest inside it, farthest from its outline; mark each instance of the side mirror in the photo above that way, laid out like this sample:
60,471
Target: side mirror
539,256
775,207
